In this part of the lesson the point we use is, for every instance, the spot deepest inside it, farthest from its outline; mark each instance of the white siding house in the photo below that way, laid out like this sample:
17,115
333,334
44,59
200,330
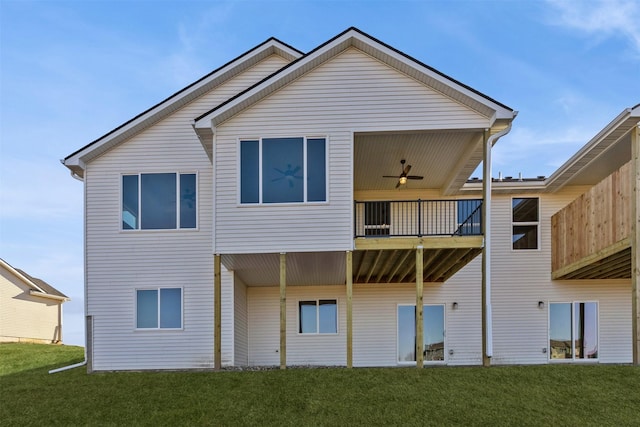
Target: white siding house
322,196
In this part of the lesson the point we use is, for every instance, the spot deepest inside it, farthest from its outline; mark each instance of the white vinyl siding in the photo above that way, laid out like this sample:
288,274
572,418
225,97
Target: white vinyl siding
118,262
351,92
523,278
240,324
374,324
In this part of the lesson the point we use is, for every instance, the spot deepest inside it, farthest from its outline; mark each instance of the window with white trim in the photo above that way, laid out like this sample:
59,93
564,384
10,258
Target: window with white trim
159,201
573,330
283,170
318,316
525,221
159,308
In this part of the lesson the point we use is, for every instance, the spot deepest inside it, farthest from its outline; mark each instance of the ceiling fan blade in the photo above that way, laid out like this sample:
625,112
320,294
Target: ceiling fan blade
414,177
398,184
406,169
390,176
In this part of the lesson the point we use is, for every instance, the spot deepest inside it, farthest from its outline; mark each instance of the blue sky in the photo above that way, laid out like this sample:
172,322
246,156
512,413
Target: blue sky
70,71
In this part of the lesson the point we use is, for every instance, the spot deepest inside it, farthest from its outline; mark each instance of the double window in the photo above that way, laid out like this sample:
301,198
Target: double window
159,201
525,221
318,317
433,333
573,330
283,170
159,308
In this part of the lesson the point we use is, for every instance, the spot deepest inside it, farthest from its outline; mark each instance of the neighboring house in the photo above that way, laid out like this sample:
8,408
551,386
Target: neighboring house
30,308
247,220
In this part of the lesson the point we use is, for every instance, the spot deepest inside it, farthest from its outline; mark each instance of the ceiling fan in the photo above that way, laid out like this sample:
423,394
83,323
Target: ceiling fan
404,176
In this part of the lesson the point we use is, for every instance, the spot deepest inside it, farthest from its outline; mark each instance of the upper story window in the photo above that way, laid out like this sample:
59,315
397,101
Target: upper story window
158,201
283,170
525,221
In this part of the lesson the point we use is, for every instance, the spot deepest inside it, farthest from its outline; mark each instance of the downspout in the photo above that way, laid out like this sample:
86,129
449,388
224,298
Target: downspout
491,140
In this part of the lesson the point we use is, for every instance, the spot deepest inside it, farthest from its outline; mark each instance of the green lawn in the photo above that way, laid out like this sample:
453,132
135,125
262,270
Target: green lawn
531,395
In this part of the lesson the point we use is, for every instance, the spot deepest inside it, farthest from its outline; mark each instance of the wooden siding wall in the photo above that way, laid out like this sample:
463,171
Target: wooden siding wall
24,317
119,262
352,92
594,221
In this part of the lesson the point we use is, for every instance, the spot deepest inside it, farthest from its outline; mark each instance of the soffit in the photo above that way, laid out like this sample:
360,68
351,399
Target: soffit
433,155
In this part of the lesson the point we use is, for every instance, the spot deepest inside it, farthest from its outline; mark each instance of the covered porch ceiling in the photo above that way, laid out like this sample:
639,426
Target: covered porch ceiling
445,158
374,261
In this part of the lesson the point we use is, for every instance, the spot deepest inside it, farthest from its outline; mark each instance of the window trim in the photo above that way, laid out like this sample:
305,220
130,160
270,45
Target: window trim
161,230
444,361
573,332
304,180
526,223
157,288
317,301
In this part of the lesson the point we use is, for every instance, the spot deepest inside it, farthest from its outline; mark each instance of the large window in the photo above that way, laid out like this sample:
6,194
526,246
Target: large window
283,170
159,308
573,330
525,220
433,333
469,217
157,201
318,317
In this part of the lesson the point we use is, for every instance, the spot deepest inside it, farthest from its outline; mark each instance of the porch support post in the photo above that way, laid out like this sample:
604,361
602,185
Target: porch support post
283,310
419,308
635,241
349,277
217,310
486,250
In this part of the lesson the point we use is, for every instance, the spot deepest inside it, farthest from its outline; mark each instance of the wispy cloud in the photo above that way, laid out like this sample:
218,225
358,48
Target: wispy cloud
604,18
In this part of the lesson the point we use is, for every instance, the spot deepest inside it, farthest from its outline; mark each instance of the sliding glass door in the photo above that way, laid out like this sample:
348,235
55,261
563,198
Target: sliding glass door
433,332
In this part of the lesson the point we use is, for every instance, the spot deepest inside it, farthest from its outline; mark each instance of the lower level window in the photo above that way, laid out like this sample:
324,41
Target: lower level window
433,333
573,330
318,317
159,308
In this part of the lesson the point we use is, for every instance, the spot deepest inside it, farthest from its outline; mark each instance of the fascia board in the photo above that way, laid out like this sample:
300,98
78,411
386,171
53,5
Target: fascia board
362,41
628,117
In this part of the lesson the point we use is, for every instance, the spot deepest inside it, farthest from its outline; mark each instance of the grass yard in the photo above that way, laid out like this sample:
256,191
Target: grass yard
565,395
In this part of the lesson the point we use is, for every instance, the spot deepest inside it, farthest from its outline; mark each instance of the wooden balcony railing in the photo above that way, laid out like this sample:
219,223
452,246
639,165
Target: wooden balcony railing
593,228
418,218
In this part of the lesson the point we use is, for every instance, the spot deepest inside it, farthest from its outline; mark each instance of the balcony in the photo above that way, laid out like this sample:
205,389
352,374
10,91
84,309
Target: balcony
387,232
591,235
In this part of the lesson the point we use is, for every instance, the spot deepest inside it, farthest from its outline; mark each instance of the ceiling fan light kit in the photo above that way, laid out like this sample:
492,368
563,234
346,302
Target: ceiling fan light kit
404,176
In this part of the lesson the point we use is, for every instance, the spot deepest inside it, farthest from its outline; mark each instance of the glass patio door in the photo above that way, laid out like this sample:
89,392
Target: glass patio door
433,331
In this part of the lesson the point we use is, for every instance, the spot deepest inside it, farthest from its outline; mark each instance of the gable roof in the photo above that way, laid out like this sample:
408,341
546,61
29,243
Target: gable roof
76,161
607,151
38,286
353,37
